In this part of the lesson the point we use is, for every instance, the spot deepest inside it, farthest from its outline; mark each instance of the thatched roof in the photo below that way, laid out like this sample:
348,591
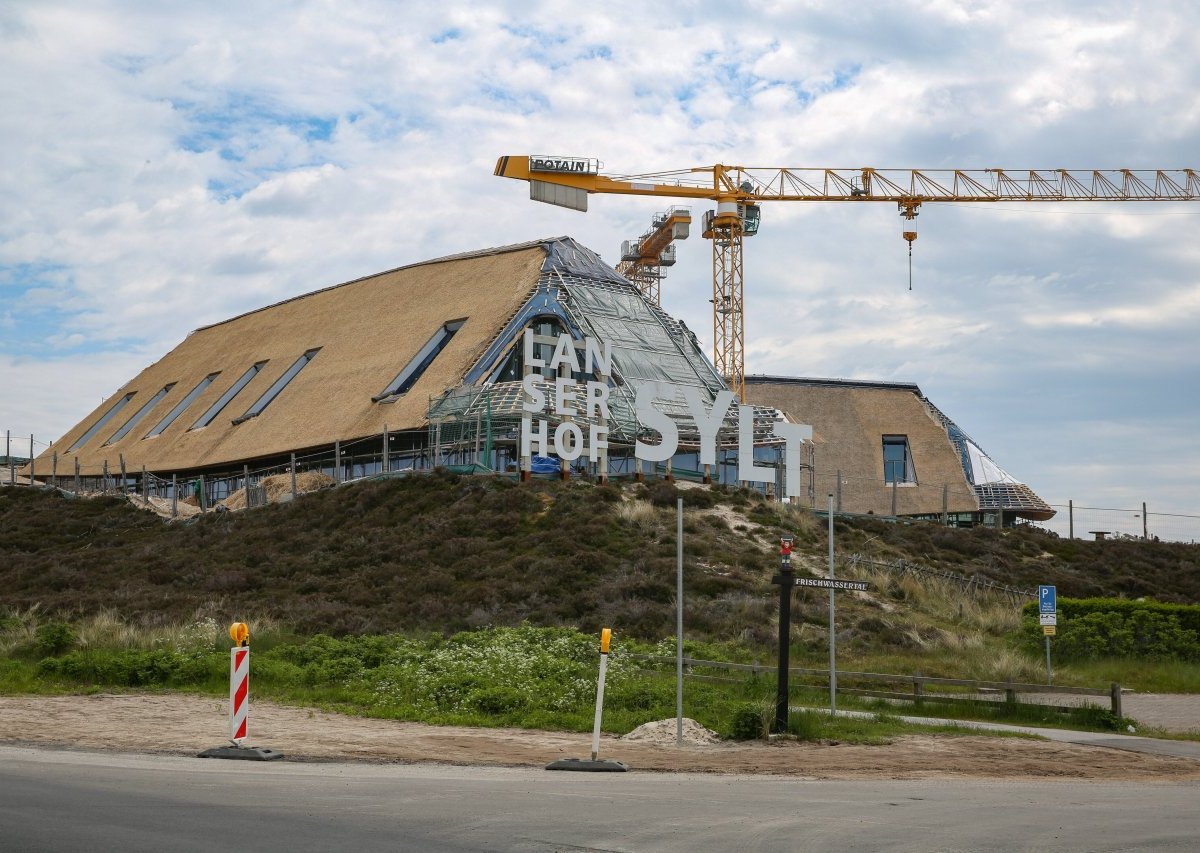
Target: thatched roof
367,331
850,418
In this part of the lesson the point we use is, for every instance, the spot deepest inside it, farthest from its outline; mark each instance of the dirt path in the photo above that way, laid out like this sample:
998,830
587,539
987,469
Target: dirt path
183,724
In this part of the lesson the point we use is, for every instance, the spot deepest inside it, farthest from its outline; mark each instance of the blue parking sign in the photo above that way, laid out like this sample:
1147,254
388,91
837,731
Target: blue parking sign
1047,599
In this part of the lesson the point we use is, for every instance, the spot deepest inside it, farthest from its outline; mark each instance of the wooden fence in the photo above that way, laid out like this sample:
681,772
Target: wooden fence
919,684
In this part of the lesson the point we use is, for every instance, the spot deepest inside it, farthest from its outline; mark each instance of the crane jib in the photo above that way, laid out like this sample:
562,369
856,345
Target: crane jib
569,165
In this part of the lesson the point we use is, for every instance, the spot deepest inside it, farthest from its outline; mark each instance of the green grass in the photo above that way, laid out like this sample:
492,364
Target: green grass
414,573
1141,675
524,677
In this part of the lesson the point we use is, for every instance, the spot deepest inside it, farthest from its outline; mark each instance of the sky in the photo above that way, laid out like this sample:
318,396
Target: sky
168,165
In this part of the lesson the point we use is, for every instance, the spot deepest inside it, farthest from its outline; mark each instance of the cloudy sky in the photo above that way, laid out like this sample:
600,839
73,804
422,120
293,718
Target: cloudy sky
166,165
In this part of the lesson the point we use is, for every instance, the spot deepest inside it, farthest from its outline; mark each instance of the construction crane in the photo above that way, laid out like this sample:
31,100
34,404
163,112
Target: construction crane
739,190
642,259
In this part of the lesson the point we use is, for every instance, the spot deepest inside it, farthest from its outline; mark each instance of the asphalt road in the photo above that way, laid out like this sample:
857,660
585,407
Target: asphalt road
65,801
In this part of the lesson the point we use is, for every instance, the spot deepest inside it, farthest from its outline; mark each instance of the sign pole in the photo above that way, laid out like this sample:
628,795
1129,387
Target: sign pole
679,622
786,581
1048,617
832,635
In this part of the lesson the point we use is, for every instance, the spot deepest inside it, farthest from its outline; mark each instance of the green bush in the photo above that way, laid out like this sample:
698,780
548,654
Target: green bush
747,722
496,700
133,668
1187,615
54,638
1129,629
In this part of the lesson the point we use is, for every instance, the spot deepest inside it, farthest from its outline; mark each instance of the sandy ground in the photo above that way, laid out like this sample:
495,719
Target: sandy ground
183,724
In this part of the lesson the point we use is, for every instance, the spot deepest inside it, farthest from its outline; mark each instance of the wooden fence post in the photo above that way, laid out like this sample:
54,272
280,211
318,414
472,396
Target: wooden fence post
386,467
1115,697
293,476
54,470
174,497
76,475
337,461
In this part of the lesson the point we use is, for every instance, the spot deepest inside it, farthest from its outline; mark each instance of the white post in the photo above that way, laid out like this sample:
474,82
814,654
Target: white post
832,636
605,638
679,623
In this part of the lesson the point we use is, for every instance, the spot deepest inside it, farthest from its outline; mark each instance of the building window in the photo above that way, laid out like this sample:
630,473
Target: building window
182,405
215,408
513,369
412,371
897,461
99,425
280,383
141,413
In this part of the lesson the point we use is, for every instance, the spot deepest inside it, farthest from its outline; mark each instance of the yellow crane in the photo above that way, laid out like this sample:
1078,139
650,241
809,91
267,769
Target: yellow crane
739,190
642,259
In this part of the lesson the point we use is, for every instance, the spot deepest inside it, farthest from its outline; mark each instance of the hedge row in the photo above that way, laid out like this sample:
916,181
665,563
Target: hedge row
1188,615
1114,628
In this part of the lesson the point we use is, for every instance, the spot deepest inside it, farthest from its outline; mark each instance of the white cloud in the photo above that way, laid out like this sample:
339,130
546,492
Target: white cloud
170,165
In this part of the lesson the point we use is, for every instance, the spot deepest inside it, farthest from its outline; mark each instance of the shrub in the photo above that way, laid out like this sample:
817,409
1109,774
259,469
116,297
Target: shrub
496,700
1144,630
663,494
750,721
54,638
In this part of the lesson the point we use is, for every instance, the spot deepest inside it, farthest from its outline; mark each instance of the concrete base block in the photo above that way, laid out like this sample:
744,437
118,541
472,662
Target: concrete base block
588,765
243,753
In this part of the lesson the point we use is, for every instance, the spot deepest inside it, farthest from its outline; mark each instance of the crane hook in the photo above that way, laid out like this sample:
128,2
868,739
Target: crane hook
908,210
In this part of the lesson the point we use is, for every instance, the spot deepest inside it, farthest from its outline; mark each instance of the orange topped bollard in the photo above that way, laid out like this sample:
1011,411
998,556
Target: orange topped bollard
239,632
595,763
239,701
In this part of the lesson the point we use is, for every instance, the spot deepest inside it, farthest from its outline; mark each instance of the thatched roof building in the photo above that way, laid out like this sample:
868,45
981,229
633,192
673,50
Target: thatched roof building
427,361
896,452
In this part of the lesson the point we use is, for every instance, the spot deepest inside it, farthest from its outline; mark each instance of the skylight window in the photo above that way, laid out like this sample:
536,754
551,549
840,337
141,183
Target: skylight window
215,408
412,371
182,405
141,413
99,425
280,383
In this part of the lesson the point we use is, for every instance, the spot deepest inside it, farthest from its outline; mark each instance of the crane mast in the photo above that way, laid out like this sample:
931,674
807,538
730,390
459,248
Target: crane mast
739,190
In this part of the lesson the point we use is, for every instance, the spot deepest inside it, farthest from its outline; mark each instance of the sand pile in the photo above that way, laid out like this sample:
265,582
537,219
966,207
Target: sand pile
280,485
662,733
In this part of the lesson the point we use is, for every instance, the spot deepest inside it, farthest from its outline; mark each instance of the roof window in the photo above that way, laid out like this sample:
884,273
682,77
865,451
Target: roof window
412,371
280,383
215,408
182,405
141,413
99,425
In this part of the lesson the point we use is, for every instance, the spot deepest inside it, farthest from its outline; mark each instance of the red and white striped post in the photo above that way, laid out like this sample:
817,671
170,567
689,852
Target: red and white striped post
239,682
239,702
